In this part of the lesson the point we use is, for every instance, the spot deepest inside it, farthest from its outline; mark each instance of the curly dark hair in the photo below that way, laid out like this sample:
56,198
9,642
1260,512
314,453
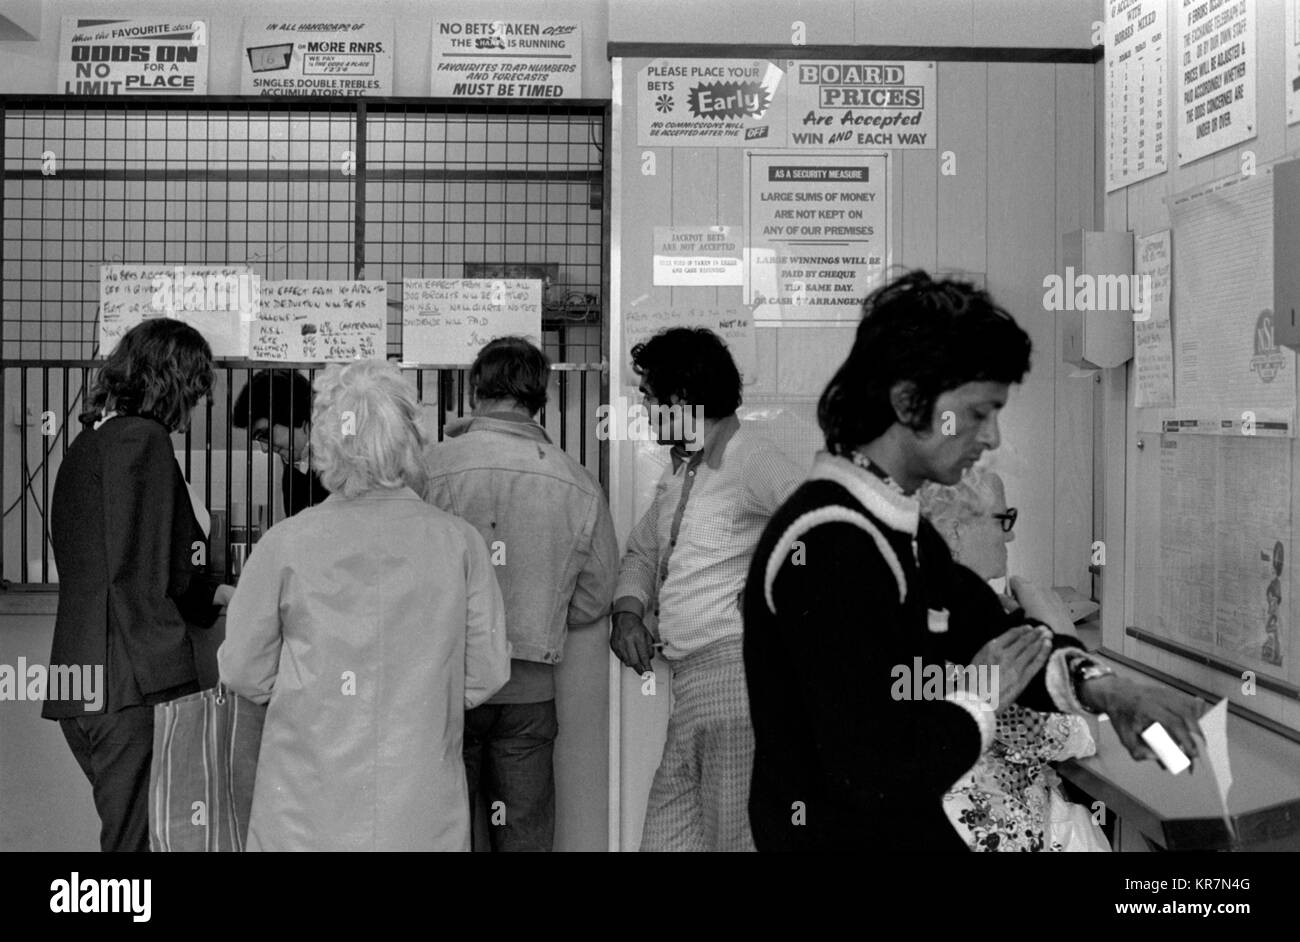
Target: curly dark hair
935,335
692,363
160,369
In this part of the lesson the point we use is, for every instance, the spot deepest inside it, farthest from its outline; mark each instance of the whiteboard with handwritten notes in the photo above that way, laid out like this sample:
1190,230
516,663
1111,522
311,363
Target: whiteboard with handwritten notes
321,321
446,321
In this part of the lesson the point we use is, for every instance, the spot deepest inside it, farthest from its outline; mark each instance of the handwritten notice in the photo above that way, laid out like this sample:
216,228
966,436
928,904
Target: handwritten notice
1153,345
698,255
1215,95
446,321
321,321
220,302
735,325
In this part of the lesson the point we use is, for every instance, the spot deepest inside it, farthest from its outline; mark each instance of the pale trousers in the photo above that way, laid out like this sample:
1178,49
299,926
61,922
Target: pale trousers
700,797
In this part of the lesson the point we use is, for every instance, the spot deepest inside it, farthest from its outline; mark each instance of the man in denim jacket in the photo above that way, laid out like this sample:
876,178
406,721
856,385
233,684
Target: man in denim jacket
548,529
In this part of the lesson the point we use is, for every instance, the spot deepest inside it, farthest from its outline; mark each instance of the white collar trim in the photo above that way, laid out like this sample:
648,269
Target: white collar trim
897,510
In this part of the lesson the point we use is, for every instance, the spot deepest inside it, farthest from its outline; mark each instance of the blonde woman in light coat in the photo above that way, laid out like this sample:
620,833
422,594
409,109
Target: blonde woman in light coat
368,624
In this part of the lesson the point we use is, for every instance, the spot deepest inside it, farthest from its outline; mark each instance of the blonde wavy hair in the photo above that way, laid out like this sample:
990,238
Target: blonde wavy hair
365,429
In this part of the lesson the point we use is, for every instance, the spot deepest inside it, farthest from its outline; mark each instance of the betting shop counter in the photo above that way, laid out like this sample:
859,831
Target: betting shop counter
1184,812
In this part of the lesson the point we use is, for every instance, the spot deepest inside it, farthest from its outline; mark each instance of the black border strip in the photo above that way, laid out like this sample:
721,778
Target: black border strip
1021,54
1273,686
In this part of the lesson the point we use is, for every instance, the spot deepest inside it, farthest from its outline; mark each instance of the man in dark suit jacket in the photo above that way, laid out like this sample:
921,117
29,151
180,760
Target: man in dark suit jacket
131,557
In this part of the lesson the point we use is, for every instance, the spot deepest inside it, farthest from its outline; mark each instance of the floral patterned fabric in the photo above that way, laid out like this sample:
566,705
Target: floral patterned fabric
1003,803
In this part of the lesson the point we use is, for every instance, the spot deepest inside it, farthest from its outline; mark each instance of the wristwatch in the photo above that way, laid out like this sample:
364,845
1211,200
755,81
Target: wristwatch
1083,670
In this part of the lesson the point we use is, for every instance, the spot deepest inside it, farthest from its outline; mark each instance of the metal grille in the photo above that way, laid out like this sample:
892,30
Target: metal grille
325,189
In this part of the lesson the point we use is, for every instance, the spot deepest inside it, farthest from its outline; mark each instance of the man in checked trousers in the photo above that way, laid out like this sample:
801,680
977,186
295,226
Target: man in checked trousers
685,565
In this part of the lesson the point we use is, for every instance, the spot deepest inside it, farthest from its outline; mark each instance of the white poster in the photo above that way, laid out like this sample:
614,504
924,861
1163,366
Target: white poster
1137,127
219,301
1153,351
482,58
330,56
817,234
734,325
138,56
697,255
1291,62
446,321
321,321
710,103
1226,358
1215,101
858,104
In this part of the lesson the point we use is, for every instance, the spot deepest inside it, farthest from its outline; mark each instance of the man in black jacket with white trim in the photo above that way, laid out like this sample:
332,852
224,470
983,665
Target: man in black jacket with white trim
851,590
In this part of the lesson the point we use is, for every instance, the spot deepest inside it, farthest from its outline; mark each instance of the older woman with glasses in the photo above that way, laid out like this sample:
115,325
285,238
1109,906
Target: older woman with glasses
1012,799
368,624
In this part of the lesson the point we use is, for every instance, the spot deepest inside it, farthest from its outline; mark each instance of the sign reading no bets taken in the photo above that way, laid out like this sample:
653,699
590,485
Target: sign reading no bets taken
710,103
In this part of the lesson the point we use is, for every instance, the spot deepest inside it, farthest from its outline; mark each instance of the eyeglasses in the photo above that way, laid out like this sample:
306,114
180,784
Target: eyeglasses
1008,519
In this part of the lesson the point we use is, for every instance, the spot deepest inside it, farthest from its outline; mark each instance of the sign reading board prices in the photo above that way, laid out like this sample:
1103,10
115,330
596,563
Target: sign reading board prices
709,103
219,301
153,56
328,56
507,59
733,324
321,321
861,104
697,255
1215,98
817,234
446,321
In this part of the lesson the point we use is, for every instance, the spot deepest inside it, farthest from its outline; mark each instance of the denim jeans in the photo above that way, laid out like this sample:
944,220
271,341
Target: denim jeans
508,749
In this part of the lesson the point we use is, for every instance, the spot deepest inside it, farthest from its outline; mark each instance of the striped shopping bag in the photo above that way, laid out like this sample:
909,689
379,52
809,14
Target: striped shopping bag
205,750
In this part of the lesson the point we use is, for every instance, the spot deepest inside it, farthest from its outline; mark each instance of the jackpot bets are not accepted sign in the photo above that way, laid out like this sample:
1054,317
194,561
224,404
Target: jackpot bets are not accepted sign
710,103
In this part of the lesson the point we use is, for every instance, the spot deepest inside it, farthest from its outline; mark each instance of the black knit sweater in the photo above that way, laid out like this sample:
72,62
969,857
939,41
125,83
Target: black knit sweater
842,763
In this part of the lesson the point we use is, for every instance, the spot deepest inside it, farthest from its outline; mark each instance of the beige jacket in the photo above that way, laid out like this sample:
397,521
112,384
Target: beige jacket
368,625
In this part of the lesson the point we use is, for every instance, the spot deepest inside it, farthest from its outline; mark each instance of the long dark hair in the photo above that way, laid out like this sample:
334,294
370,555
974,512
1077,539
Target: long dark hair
935,335
160,369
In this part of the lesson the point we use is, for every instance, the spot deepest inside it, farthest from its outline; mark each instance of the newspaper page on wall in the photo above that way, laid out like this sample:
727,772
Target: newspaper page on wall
1225,549
1137,126
1226,358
